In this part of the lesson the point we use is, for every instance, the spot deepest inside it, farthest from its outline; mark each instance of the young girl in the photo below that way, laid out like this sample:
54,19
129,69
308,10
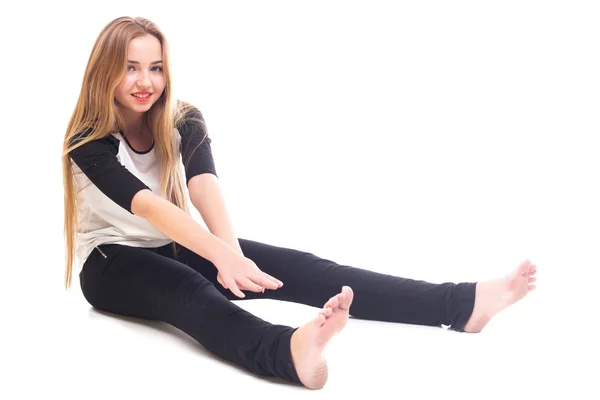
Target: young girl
133,155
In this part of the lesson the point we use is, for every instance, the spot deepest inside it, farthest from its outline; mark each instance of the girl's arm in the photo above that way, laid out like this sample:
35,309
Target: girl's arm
179,226
207,197
202,179
236,272
97,159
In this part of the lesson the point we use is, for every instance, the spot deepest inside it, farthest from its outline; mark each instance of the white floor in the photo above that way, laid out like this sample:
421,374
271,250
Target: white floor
60,346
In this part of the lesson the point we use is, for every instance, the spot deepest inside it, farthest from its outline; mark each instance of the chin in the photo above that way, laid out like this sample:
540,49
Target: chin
136,107
141,106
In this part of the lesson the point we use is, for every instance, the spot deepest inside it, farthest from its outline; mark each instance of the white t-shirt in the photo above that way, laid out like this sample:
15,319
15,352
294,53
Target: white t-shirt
108,173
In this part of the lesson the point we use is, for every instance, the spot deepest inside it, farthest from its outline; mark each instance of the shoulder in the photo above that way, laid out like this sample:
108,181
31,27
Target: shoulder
189,119
83,142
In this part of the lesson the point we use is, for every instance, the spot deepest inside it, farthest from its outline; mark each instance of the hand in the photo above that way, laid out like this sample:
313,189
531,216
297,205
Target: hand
238,273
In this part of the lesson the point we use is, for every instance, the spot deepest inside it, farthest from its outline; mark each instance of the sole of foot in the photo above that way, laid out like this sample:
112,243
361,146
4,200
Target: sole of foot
309,341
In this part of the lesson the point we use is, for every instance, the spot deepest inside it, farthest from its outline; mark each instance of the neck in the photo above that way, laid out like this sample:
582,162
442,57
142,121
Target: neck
135,123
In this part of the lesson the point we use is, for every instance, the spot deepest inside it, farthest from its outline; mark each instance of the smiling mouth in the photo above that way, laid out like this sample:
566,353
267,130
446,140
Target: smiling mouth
142,96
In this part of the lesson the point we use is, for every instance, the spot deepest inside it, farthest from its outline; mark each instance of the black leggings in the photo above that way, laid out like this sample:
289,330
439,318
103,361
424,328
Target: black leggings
182,290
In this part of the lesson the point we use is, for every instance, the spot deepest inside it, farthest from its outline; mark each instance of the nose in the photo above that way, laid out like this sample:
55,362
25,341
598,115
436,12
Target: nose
144,81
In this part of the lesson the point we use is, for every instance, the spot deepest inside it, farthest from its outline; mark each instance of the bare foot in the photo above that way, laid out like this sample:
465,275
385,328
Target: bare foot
495,295
308,342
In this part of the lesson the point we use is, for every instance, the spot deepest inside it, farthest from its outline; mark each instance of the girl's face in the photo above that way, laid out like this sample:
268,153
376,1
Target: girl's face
144,82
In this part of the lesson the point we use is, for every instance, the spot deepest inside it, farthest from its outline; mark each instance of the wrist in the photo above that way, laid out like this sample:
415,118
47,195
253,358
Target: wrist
236,246
231,240
219,252
225,255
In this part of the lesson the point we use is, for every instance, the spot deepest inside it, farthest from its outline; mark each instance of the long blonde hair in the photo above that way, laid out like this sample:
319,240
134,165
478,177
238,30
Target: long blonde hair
96,116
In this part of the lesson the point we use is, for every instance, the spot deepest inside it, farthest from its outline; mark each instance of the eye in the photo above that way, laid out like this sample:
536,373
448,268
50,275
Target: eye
129,66
159,69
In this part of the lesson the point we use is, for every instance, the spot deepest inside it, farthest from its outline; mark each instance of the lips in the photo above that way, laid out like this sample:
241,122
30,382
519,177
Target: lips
142,96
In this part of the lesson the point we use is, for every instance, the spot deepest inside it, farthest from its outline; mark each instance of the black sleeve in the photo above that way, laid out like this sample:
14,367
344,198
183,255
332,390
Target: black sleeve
98,161
196,153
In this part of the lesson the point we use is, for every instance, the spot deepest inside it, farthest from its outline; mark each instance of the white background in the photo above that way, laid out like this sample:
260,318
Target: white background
444,141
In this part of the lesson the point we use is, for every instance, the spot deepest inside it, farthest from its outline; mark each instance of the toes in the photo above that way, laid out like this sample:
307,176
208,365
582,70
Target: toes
532,279
532,270
341,300
349,296
333,302
530,288
326,312
524,267
320,320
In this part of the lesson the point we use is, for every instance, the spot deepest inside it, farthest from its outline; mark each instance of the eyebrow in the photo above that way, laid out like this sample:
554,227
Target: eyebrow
137,62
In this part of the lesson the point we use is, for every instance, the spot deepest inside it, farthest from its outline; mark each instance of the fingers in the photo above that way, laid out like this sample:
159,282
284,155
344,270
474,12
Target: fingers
275,280
242,283
256,284
247,284
221,281
254,281
264,281
234,288
268,282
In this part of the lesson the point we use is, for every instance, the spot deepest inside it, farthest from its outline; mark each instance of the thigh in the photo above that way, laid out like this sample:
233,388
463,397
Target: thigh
150,284
142,283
